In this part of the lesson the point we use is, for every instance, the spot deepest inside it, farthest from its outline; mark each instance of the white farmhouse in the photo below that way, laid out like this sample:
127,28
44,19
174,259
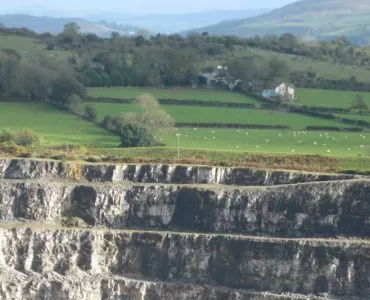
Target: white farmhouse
286,91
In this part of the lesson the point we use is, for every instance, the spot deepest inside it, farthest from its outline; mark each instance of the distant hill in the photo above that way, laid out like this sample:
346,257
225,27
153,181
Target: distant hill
172,23
42,24
313,19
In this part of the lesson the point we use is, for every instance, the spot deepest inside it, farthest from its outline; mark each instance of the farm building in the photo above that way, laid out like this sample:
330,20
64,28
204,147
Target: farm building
286,91
270,94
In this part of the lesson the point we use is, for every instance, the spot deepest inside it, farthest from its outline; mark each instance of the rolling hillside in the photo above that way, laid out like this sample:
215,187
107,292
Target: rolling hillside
171,23
316,19
55,25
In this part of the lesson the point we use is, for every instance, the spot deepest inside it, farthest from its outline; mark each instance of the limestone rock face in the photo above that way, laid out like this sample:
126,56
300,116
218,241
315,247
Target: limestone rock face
260,264
325,209
33,169
155,232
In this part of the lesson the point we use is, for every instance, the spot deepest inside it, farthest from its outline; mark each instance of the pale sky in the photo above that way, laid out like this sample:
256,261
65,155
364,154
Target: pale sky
131,6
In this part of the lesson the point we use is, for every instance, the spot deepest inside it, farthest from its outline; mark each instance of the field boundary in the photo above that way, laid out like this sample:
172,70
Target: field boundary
306,110
233,125
165,101
265,104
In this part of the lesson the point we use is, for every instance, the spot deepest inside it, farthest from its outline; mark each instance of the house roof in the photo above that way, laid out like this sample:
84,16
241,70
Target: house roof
287,84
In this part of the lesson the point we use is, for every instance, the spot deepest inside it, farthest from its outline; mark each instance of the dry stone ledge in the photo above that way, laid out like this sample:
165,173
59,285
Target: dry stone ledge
165,174
92,287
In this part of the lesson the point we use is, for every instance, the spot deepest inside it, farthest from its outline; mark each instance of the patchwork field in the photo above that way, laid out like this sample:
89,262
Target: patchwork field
193,114
171,93
58,127
329,98
54,126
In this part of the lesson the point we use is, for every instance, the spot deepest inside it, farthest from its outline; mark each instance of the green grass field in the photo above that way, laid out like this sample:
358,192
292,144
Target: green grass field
171,93
351,150
27,46
328,98
322,68
314,163
54,126
270,141
192,114
21,44
355,117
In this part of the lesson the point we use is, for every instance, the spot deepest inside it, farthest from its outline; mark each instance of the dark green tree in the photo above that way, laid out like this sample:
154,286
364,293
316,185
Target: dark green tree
70,35
63,87
135,135
34,82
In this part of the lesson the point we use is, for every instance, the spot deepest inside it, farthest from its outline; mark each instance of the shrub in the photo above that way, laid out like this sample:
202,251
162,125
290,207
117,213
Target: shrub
108,123
94,159
359,104
133,135
5,136
17,151
75,103
91,113
25,138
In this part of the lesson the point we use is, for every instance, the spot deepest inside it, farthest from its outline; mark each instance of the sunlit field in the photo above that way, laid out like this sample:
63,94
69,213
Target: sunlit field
269,141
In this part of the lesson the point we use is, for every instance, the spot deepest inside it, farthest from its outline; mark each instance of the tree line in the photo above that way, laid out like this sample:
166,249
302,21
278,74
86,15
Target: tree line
160,60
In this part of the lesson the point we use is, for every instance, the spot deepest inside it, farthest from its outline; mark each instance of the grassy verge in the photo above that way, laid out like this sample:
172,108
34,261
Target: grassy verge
314,163
241,159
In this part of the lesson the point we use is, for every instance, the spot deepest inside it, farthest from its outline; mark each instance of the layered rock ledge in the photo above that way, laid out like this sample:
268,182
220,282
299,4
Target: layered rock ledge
324,209
166,174
334,269
163,232
92,287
